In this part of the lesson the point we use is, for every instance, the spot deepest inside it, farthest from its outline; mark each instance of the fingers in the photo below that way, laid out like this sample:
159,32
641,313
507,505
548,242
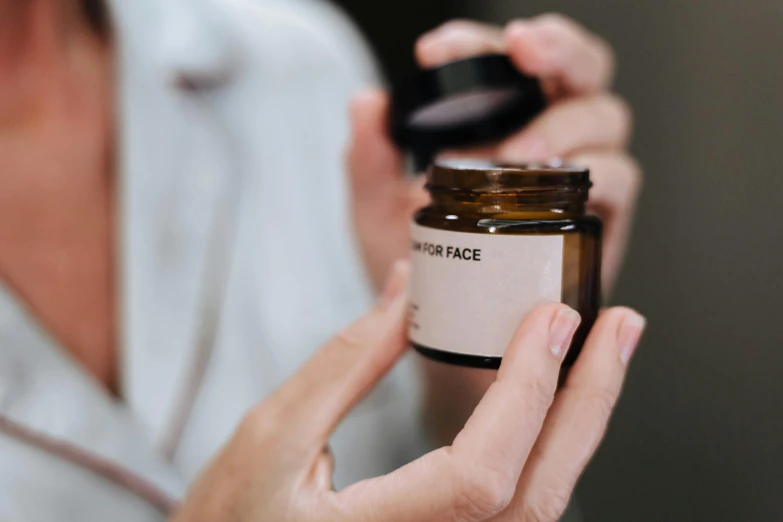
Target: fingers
617,178
617,181
551,47
475,478
595,122
382,196
526,382
314,400
373,160
578,418
557,49
458,39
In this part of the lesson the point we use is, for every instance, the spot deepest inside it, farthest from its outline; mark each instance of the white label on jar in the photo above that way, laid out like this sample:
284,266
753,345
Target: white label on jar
470,291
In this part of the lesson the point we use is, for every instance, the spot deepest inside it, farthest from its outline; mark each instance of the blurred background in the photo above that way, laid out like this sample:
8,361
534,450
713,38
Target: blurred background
698,434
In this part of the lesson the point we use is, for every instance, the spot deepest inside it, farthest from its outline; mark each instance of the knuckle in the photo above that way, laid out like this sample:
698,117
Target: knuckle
350,338
635,175
600,401
605,54
556,26
539,393
596,404
627,176
263,422
619,111
356,336
561,28
546,505
483,493
557,23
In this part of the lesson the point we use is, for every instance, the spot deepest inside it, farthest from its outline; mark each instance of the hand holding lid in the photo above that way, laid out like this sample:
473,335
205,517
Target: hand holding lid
465,103
582,122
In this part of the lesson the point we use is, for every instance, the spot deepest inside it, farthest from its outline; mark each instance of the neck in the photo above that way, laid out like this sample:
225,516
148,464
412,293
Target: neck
56,85
38,40
35,26
56,173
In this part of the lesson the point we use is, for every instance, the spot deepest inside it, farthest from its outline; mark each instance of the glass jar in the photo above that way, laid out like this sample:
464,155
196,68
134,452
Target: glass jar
496,241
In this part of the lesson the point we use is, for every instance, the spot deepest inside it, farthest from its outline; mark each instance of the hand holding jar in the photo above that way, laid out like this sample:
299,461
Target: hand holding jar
517,458
584,123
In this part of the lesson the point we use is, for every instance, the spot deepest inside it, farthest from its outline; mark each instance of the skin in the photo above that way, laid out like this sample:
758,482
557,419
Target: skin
521,452
57,209
517,458
584,123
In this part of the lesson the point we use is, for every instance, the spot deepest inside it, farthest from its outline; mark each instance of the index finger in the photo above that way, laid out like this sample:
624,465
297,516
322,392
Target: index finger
509,417
475,477
457,39
578,418
561,52
312,402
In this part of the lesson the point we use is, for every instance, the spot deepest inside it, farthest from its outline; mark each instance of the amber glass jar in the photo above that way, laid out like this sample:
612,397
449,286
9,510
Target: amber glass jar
496,241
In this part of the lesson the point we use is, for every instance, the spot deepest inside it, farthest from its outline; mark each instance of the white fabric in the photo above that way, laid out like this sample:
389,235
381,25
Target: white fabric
215,95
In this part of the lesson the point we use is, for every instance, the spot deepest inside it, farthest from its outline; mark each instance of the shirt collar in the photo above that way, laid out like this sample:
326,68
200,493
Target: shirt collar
189,40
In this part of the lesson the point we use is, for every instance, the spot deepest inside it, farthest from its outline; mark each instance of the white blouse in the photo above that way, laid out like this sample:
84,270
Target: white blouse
234,229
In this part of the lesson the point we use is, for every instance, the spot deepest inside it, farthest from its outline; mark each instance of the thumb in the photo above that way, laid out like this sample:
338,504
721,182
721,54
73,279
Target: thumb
374,162
317,397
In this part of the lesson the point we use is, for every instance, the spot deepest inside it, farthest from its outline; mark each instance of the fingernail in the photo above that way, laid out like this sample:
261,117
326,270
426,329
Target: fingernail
397,282
538,53
530,147
562,330
629,335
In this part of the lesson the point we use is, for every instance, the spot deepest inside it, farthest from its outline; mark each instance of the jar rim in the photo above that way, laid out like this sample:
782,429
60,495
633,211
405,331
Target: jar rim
492,176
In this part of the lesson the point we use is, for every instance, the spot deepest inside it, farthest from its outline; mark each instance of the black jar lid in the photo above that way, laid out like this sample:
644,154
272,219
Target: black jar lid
461,104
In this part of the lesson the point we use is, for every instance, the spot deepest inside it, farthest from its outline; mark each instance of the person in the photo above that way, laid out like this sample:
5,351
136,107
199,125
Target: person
172,255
